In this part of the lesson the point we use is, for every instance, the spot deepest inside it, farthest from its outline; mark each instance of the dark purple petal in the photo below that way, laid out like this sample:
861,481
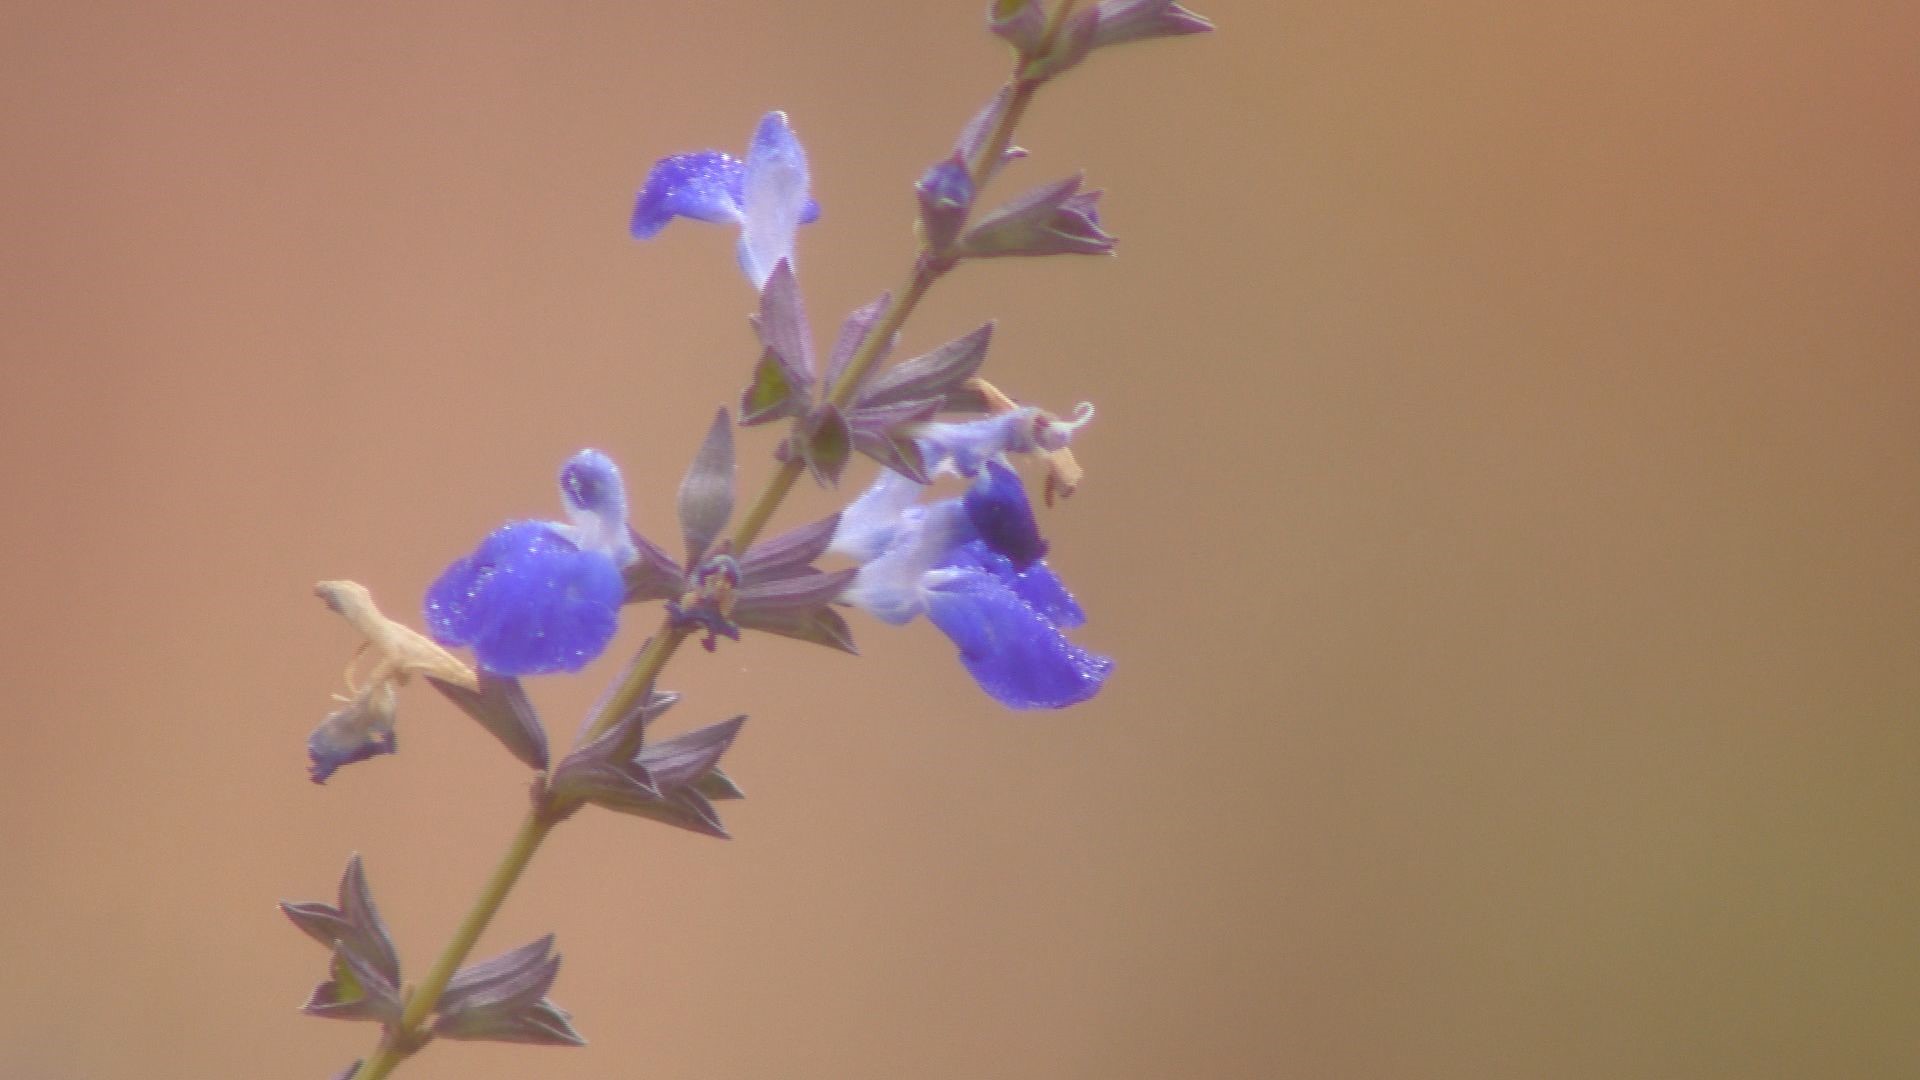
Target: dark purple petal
704,186
1017,655
997,507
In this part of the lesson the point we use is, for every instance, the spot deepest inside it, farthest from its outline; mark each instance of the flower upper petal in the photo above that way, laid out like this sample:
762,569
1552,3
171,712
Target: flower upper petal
773,197
997,507
704,186
1015,653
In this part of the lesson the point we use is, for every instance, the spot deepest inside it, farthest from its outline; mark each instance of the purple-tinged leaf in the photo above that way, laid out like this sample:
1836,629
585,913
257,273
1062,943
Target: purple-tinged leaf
604,772
652,575
974,136
900,454
502,708
681,761
717,786
1021,23
357,991
945,192
1058,219
354,923
1137,20
820,626
505,1000
786,554
1070,46
783,329
770,395
706,495
827,445
798,593
853,334
932,375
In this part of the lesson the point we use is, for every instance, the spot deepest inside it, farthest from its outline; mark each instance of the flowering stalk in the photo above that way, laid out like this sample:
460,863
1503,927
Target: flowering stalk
958,561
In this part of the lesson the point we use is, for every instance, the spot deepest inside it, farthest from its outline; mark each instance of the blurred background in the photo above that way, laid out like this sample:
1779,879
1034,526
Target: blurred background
1503,509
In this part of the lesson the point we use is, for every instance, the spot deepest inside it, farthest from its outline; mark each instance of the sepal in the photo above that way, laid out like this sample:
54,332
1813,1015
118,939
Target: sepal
974,135
706,494
1121,21
501,706
365,969
770,395
652,575
932,376
825,443
789,553
349,1072
505,1000
1021,23
853,334
782,326
1058,219
672,781
1071,44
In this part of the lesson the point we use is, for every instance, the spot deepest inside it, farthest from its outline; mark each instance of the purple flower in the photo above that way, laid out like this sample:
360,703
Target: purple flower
973,566
538,597
766,195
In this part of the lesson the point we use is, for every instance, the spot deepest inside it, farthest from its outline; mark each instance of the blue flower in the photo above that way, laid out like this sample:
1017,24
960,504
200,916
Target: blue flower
766,195
538,597
973,566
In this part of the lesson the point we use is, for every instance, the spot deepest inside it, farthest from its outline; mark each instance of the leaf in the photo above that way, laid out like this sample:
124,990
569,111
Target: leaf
706,495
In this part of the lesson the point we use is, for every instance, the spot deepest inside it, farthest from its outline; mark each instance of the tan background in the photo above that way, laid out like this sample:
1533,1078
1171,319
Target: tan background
1504,512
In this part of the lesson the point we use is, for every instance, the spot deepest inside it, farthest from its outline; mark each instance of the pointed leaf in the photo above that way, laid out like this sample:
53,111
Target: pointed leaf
933,375
603,771
357,991
821,626
792,594
770,395
853,334
504,1000
502,708
680,761
828,446
355,923
706,495
717,785
791,551
902,455
783,328
652,575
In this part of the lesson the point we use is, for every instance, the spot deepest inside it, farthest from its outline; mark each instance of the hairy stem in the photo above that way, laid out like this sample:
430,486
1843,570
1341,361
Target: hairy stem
642,674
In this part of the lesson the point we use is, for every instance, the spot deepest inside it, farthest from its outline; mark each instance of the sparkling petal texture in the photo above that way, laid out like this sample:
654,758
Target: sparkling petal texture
997,507
704,186
757,194
528,600
1016,654
1038,585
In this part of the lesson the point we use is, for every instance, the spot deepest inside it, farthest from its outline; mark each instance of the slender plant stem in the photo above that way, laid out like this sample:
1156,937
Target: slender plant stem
643,673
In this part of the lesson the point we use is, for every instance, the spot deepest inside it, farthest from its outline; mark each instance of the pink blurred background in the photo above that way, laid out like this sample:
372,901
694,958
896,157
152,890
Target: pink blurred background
1504,511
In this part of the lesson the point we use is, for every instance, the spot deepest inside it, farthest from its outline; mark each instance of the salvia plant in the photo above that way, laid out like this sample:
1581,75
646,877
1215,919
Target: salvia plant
546,597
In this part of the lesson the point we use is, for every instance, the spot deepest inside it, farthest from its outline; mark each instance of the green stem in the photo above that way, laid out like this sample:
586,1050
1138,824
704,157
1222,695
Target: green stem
640,677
